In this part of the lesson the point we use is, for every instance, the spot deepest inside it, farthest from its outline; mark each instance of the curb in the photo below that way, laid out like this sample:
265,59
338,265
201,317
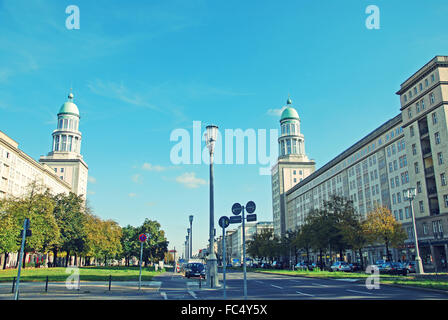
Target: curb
415,288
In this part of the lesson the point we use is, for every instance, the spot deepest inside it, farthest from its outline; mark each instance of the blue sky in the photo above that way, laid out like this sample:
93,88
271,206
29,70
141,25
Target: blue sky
139,70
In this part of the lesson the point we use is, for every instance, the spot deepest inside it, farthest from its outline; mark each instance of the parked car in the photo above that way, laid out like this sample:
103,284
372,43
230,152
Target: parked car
341,266
396,268
266,266
195,270
301,266
355,267
410,265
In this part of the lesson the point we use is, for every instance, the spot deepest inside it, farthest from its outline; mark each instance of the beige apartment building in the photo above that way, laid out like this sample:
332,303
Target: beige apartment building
409,150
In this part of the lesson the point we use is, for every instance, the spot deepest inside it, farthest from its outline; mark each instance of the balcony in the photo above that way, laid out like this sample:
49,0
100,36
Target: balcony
432,192
424,131
434,212
429,171
426,152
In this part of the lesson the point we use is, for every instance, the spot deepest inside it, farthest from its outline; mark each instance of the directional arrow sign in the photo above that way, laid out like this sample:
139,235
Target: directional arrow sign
251,217
250,207
224,222
235,219
236,209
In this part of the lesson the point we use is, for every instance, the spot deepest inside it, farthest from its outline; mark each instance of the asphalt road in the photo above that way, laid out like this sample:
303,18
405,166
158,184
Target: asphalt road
169,286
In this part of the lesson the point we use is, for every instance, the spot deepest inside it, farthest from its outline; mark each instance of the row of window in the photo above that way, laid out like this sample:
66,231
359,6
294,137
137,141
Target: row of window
394,148
420,105
66,143
393,165
414,91
70,124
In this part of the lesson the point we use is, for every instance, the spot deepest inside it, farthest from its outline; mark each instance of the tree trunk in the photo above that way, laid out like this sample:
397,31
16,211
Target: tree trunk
55,258
24,260
66,259
76,260
387,251
341,255
4,261
360,258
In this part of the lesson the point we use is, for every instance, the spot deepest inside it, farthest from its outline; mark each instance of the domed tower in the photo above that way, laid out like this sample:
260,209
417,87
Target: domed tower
291,168
291,141
65,156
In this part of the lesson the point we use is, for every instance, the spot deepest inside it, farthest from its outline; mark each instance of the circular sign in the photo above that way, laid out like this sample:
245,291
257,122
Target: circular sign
236,209
142,237
250,207
224,222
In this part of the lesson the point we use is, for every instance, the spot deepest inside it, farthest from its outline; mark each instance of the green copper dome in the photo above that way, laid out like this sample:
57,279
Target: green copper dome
69,106
289,113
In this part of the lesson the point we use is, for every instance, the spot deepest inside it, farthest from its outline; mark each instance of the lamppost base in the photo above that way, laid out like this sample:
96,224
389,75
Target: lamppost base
212,272
419,266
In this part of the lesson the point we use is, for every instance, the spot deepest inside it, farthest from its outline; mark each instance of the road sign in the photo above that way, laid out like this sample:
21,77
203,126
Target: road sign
251,217
236,209
224,222
142,237
235,219
250,207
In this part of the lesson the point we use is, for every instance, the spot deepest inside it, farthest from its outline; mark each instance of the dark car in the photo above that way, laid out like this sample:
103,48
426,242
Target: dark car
410,265
195,270
265,266
395,268
355,267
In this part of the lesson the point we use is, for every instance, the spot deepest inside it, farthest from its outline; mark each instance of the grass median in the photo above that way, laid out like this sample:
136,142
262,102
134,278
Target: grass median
85,274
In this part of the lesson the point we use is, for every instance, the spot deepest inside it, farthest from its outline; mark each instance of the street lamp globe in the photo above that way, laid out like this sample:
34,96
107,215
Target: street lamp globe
211,136
409,194
191,218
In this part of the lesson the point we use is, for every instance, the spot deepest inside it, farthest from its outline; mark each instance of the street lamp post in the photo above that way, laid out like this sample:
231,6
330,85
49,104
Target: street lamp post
191,235
409,194
212,269
187,250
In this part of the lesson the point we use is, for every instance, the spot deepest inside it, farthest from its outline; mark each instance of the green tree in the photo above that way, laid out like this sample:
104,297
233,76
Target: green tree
129,244
155,247
37,205
71,218
9,231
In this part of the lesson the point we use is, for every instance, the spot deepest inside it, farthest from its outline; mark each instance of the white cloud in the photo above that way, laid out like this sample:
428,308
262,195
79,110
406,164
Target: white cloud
91,179
137,178
189,180
91,193
276,112
132,195
149,167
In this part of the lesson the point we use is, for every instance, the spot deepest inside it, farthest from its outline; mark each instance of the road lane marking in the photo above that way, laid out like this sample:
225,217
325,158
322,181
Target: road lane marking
363,292
192,294
259,282
305,294
163,294
276,286
320,285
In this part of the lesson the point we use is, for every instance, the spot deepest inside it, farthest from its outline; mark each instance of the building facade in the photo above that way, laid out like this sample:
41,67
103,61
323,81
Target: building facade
292,166
409,150
234,240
